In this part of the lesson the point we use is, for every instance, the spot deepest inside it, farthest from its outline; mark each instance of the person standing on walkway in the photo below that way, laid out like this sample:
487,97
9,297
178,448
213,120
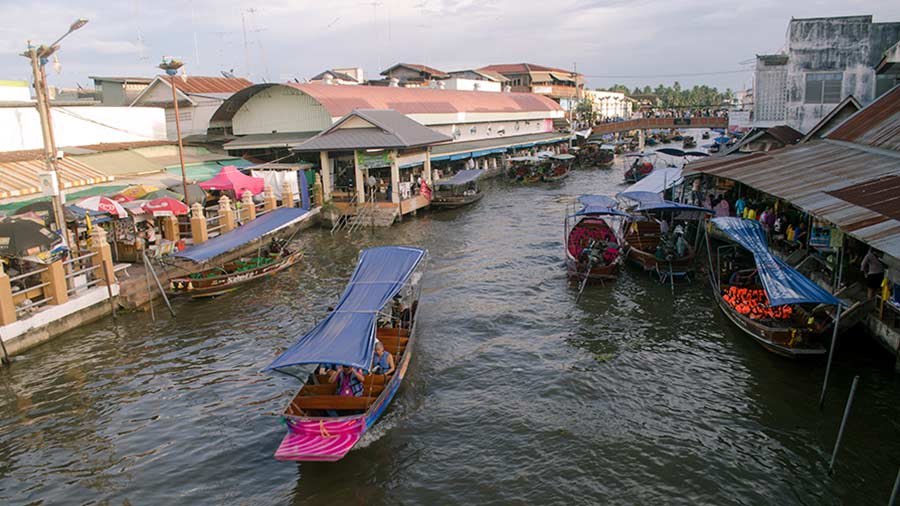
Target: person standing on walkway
872,267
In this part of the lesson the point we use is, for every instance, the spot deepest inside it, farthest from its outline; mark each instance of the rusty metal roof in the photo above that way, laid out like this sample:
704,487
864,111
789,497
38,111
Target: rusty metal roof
808,176
877,125
881,195
433,72
21,177
200,84
523,68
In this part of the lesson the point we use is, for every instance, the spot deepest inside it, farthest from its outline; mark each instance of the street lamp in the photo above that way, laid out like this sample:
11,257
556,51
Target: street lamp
171,66
39,56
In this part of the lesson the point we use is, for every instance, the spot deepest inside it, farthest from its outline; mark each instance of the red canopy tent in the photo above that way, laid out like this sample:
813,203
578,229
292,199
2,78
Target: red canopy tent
229,179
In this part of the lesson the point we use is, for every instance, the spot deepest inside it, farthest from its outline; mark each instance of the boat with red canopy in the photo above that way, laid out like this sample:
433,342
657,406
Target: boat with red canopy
326,421
593,235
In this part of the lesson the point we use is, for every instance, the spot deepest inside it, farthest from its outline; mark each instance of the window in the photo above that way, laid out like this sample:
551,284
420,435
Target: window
884,82
823,88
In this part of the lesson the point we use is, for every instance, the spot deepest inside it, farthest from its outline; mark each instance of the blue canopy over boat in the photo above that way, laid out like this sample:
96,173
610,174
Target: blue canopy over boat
722,140
266,224
783,284
347,335
650,201
659,179
596,205
460,178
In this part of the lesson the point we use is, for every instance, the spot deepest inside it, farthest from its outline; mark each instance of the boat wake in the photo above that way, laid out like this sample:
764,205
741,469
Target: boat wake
384,425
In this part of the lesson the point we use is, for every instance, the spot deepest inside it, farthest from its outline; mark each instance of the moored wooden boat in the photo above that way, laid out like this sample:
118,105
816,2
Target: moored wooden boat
593,245
559,168
765,297
458,191
231,276
322,424
688,142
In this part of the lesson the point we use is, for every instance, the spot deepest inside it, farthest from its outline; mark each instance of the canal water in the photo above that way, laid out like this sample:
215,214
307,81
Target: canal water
517,394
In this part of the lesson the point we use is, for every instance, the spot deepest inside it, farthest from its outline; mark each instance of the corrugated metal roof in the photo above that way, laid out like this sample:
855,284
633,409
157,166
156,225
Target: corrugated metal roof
136,80
522,68
21,177
808,175
499,142
877,125
34,154
390,129
419,67
881,195
201,84
341,100
263,141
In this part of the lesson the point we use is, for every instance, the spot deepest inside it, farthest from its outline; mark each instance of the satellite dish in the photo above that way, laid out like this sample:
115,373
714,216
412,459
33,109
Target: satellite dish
228,73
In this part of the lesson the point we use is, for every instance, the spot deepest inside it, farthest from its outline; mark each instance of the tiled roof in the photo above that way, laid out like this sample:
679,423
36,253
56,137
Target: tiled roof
199,84
521,68
440,74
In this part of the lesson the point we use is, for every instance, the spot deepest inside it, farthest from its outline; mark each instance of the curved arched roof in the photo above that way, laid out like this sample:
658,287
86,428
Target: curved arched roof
340,100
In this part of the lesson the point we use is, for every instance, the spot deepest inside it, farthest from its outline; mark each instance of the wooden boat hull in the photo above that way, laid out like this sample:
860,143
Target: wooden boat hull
455,202
329,439
649,262
555,179
597,275
219,285
775,339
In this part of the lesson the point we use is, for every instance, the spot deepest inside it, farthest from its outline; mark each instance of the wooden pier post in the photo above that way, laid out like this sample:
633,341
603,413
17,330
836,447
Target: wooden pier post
318,192
248,208
226,215
198,225
55,275
103,258
269,199
7,306
325,163
170,229
287,196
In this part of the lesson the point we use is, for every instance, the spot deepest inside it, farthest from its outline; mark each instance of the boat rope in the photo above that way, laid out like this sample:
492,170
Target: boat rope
323,432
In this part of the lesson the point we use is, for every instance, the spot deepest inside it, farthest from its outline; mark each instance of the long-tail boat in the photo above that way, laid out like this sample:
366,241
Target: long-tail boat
459,190
232,275
322,424
763,296
593,239
559,168
653,250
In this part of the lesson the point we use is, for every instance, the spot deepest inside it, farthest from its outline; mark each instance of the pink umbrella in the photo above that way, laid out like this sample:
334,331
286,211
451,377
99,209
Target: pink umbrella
102,205
166,206
230,179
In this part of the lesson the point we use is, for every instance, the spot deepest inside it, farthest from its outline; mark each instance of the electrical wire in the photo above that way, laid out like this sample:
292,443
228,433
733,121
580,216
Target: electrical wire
105,125
649,76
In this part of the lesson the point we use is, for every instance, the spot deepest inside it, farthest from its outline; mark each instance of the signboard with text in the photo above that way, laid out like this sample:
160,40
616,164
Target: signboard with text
373,160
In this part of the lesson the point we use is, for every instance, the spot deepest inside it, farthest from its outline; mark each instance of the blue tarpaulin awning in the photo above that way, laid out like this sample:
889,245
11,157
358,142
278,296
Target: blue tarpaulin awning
596,205
651,201
783,284
347,335
266,224
460,156
460,178
658,180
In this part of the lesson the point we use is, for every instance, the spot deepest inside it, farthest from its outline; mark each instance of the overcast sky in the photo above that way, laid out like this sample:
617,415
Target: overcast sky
277,40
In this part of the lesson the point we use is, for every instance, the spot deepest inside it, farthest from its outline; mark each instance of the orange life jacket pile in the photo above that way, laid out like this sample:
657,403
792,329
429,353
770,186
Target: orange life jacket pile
754,304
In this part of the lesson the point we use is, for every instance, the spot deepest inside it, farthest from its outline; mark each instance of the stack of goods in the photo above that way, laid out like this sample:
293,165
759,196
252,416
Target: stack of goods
753,303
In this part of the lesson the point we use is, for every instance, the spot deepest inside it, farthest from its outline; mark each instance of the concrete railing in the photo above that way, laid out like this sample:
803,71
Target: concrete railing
228,218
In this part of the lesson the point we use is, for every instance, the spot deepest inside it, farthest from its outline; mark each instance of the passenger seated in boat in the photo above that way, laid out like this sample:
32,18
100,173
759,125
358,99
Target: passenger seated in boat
382,361
682,248
742,278
349,381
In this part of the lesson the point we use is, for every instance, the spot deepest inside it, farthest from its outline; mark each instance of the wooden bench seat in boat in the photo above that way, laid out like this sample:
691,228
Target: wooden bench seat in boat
384,333
647,237
370,379
330,389
325,402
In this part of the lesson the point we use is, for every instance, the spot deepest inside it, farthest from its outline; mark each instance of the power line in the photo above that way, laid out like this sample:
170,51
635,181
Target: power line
690,74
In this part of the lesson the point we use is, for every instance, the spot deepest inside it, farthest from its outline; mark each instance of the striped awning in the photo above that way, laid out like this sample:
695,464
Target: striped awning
21,178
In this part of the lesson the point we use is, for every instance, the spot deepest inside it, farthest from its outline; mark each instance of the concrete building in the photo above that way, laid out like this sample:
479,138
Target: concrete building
347,76
15,91
827,59
198,99
609,104
413,75
119,91
475,80
563,86
266,120
76,125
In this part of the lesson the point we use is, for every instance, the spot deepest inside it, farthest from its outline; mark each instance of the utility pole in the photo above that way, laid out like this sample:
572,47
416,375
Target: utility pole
38,57
171,67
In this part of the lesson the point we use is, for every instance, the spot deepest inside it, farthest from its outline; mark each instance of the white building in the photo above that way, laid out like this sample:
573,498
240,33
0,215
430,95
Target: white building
198,99
609,104
475,80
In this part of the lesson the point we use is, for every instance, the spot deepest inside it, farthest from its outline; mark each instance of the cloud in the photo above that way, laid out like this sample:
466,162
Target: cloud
294,38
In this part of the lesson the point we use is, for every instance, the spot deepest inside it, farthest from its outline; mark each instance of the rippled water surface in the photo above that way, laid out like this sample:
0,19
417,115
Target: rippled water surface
517,394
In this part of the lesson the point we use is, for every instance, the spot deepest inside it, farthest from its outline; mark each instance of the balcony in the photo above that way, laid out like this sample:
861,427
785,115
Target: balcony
550,90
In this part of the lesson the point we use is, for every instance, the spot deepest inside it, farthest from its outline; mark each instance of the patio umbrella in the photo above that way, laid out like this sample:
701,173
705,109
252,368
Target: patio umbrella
120,198
196,194
44,209
102,204
22,237
137,191
230,179
166,206
158,194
